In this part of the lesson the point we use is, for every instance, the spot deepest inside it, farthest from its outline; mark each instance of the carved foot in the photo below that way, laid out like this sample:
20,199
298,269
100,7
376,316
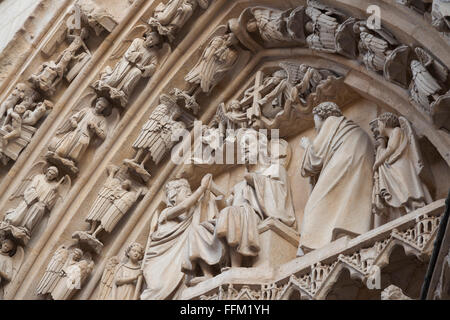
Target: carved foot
85,238
137,169
66,164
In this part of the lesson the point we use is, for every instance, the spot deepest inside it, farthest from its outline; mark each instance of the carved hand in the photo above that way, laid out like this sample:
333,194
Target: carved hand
206,181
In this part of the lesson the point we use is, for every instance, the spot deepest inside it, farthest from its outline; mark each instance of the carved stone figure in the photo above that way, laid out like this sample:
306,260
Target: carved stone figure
95,17
276,27
217,59
11,257
329,30
65,273
139,61
264,192
76,134
157,135
21,94
122,280
382,53
340,201
113,202
428,87
39,194
169,18
18,128
440,13
398,167
50,74
183,239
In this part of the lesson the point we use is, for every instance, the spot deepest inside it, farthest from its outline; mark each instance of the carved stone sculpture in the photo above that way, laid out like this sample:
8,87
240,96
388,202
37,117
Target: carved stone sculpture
442,291
398,187
217,59
38,193
74,137
183,239
169,18
277,27
157,136
122,280
114,200
429,87
382,53
51,73
440,13
65,273
393,293
329,30
340,202
253,199
95,17
11,258
139,61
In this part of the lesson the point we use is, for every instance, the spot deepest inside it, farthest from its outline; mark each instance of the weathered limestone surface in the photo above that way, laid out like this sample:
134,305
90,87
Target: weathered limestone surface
117,118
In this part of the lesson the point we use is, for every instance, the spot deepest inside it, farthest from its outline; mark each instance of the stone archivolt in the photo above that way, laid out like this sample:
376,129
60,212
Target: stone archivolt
305,61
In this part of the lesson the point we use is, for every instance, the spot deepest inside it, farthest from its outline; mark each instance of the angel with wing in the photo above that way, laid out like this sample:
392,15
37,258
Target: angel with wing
65,273
329,30
169,18
11,258
77,133
381,52
219,57
398,170
157,135
114,200
120,280
39,193
139,61
428,78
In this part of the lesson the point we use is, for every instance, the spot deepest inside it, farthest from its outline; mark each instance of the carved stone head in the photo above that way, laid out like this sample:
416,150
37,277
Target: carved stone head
51,173
152,39
77,254
387,120
101,104
126,185
8,247
323,111
135,252
177,191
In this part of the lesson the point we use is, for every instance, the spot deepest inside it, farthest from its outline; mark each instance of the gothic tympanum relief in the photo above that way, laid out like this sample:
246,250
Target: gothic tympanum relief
355,175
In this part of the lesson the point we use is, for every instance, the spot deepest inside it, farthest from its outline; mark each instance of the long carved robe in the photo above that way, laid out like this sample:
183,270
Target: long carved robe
399,180
123,201
340,160
103,201
125,291
217,59
175,13
273,192
39,196
238,223
175,246
130,69
74,143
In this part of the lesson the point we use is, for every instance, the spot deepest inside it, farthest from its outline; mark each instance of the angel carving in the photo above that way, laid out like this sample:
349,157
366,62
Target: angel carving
158,135
381,52
79,131
139,61
219,57
51,73
113,201
38,193
11,258
429,77
65,273
169,18
21,94
122,280
399,173
330,30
